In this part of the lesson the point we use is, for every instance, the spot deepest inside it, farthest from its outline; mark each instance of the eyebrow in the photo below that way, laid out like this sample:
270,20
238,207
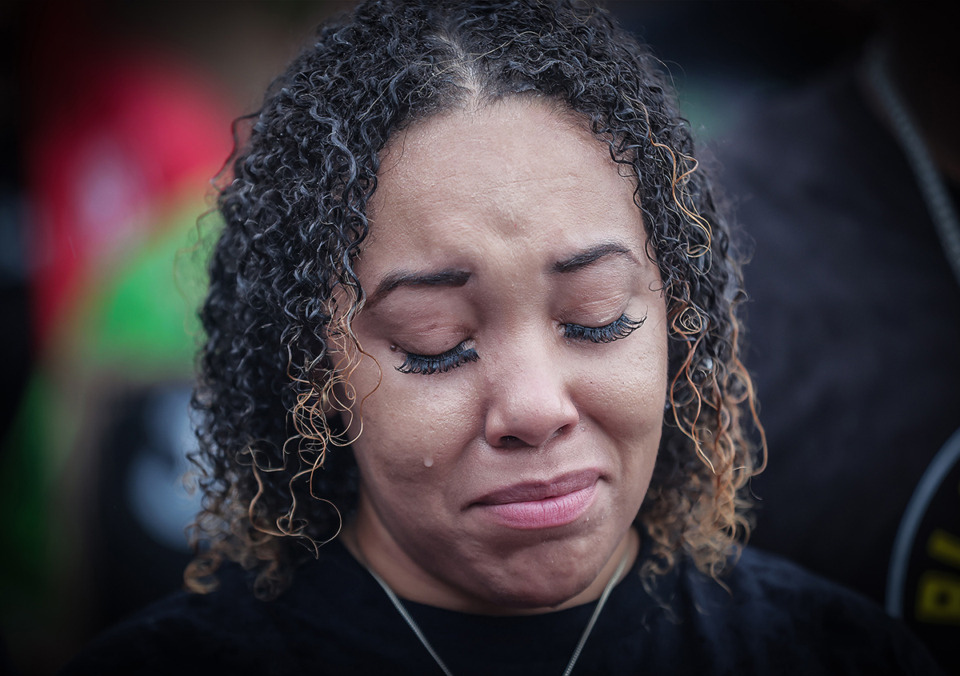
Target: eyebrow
395,280
457,278
591,256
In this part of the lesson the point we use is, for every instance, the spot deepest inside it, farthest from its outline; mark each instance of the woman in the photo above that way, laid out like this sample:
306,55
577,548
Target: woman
470,397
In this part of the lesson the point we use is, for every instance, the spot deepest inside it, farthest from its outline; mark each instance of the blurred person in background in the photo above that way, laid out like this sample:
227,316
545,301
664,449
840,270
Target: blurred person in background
118,120
848,187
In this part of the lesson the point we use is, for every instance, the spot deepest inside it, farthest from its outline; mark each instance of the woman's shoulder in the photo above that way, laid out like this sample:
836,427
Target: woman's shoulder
185,633
228,630
785,617
777,586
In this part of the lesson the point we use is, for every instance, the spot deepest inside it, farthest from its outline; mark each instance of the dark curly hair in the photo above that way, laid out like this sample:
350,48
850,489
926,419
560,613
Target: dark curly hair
278,473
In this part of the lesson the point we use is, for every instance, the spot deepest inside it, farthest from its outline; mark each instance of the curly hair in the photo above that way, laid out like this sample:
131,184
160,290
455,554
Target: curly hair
278,472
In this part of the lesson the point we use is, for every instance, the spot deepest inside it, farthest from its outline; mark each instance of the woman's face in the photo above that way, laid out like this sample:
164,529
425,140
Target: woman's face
520,333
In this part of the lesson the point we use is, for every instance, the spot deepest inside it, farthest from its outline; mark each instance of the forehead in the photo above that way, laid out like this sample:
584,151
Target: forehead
518,173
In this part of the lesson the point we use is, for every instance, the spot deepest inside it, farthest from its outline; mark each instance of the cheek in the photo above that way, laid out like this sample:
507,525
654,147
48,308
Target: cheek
410,431
629,393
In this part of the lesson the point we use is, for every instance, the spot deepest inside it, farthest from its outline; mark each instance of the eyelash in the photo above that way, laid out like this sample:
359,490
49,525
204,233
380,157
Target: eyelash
423,364
621,327
438,363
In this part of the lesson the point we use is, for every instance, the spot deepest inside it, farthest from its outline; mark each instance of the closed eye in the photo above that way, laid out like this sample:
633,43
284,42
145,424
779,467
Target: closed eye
428,364
619,328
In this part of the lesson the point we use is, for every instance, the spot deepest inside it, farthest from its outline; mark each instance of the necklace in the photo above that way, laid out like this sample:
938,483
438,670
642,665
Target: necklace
918,155
398,604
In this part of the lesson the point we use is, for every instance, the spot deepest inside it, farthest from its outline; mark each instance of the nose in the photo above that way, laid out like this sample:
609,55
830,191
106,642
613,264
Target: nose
530,400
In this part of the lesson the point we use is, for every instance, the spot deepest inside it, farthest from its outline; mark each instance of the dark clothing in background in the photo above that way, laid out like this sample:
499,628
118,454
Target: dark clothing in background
854,332
776,619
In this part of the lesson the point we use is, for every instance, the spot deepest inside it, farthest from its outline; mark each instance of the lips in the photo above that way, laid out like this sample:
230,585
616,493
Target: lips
534,505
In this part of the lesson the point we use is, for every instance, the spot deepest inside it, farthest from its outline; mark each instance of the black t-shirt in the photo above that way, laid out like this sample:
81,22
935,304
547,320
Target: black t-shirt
853,325
335,619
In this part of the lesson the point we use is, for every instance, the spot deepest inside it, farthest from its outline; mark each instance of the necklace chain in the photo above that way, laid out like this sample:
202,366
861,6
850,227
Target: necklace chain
928,178
601,602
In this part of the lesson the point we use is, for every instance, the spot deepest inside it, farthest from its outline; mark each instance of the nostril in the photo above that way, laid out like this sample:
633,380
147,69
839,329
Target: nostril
512,442
529,414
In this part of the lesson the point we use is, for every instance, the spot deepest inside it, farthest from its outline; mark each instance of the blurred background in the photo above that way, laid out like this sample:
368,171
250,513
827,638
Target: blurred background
116,117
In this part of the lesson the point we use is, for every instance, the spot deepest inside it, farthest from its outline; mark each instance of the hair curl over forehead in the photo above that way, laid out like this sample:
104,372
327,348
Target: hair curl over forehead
279,473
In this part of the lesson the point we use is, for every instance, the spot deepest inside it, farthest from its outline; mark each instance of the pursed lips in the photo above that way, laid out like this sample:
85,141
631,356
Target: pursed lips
532,491
535,505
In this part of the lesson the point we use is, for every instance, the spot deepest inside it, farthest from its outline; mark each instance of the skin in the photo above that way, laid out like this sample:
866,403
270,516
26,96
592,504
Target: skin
495,228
